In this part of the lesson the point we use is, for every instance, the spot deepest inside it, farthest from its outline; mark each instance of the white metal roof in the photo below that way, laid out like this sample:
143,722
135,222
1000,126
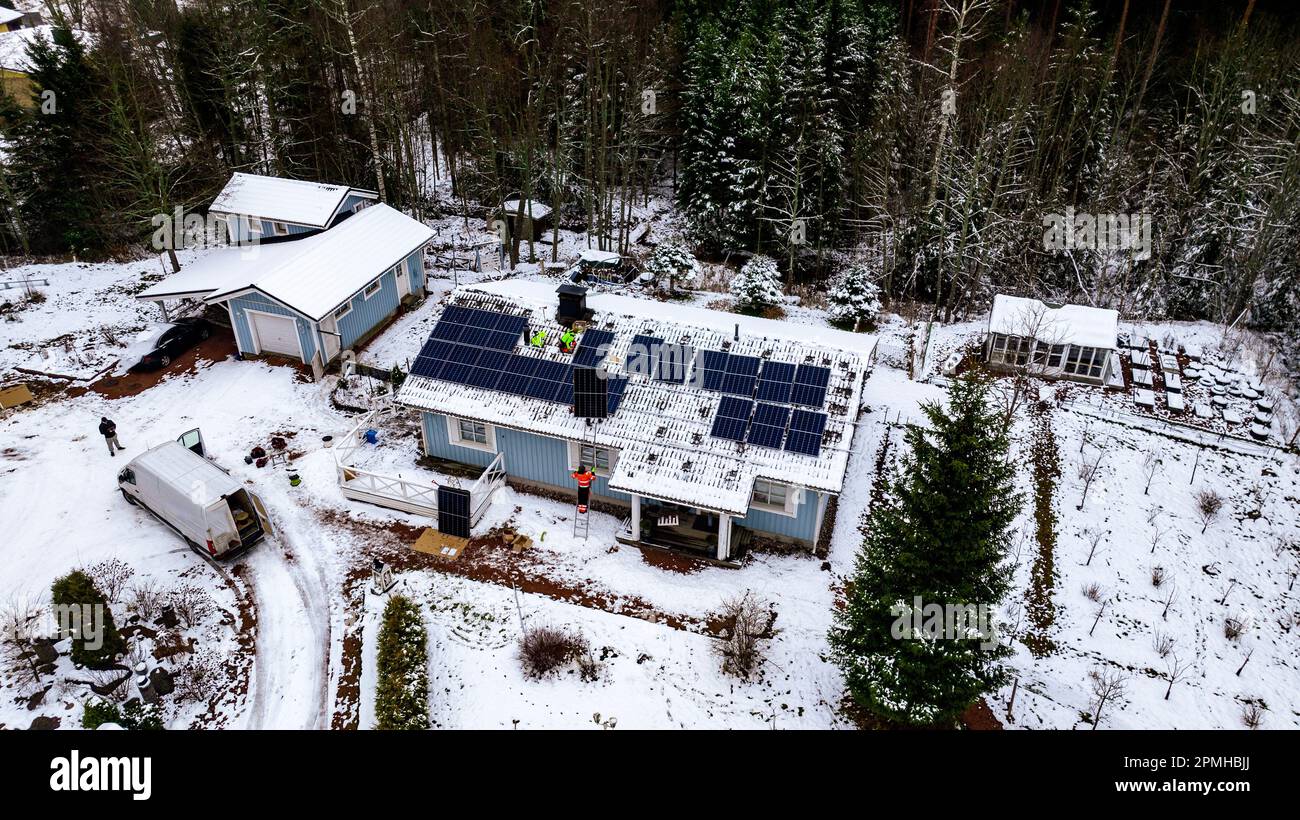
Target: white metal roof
176,464
312,275
283,200
1068,324
662,430
9,15
532,208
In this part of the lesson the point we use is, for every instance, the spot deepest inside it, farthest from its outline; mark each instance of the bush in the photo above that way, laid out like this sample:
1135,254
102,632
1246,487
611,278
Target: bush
745,621
402,696
396,377
672,262
142,717
757,286
855,300
546,649
98,712
74,592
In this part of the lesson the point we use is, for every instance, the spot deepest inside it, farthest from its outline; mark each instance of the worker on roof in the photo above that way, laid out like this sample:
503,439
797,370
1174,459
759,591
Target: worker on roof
538,339
567,341
584,476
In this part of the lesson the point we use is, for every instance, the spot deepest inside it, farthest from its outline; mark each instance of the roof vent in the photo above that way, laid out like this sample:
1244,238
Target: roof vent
573,305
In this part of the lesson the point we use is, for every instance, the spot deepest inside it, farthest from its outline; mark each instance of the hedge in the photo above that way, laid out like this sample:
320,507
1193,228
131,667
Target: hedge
402,696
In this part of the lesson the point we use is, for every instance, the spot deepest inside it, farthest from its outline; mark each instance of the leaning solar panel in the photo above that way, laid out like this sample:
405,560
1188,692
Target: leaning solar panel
769,425
732,418
589,353
642,354
712,365
740,376
806,430
810,385
775,382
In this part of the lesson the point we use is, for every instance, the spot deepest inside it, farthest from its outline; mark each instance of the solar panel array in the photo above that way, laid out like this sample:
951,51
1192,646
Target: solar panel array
806,430
772,385
768,425
469,346
810,385
732,418
589,353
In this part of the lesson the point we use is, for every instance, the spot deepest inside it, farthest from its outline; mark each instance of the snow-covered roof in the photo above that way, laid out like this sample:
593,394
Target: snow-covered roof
593,256
13,45
532,208
283,200
1068,324
9,15
312,275
662,430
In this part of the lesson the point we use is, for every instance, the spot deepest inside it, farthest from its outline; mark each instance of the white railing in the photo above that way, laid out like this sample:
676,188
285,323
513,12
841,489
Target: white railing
399,493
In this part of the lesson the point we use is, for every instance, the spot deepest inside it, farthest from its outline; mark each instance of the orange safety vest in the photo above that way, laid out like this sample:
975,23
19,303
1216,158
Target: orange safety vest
584,479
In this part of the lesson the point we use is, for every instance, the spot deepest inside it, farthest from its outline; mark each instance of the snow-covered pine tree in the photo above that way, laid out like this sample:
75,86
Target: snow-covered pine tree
672,262
941,534
854,301
757,286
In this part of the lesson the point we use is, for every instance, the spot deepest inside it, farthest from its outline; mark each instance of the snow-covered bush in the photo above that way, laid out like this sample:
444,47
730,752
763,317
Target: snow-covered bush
854,301
402,695
673,262
758,285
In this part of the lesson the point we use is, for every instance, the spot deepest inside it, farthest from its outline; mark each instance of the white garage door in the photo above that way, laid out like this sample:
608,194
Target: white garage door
275,334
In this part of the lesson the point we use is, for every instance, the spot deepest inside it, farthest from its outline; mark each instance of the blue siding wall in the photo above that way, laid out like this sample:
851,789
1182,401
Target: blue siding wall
415,270
541,459
258,301
367,313
802,526
348,202
239,228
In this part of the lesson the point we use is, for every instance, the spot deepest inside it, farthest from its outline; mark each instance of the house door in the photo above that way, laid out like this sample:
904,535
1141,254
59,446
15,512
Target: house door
403,282
275,334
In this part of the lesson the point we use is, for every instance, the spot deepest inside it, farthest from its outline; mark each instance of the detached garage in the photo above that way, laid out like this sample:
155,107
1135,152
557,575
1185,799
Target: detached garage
313,298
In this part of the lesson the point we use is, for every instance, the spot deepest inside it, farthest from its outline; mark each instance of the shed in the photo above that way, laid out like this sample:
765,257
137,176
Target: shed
536,218
1056,341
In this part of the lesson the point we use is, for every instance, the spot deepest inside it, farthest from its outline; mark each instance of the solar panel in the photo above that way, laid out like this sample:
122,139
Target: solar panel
488,369
806,430
590,397
673,362
615,386
738,379
589,353
775,382
810,385
453,511
642,354
712,365
769,425
732,418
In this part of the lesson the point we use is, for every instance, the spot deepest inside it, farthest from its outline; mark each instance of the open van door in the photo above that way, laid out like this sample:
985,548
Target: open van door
260,509
193,440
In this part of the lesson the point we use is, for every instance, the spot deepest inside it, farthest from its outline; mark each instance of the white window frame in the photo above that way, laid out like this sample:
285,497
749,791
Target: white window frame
342,311
373,288
575,458
254,226
360,206
279,229
454,436
760,497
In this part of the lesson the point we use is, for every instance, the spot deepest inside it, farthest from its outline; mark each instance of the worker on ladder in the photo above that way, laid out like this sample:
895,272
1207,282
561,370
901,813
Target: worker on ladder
584,476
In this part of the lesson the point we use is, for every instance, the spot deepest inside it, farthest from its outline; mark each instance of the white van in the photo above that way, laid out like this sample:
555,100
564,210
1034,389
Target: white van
215,514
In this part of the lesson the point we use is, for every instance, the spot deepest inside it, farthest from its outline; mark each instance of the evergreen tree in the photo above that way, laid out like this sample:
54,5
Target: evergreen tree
855,299
96,643
757,286
940,534
673,262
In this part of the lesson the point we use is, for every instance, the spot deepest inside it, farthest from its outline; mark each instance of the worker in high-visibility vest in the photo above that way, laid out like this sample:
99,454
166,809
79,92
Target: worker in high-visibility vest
539,339
567,341
584,476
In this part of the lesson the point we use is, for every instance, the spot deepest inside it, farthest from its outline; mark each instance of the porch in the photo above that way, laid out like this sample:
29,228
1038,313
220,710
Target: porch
684,529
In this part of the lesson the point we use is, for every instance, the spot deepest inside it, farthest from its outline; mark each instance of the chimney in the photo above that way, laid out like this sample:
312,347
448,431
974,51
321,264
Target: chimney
572,305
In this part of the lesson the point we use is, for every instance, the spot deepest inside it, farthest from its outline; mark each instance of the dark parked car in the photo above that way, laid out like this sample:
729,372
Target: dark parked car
158,346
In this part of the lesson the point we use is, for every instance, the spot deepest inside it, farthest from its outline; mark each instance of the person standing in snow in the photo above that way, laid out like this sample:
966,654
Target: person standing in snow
108,430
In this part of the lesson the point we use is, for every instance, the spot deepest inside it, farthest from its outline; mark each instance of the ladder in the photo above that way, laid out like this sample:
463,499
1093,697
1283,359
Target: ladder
581,517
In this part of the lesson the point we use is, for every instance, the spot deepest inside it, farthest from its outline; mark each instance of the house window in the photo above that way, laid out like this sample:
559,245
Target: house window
279,229
1086,362
1054,360
360,206
770,495
599,459
373,288
343,311
1011,350
254,227
471,433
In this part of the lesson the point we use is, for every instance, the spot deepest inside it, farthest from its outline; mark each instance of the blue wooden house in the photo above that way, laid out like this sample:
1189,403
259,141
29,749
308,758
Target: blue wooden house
721,428
314,297
257,208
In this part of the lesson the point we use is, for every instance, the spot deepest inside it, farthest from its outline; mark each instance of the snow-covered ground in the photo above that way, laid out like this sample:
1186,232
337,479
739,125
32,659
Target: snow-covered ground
293,598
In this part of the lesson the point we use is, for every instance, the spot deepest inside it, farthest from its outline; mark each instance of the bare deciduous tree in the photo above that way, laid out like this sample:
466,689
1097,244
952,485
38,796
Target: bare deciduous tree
1171,595
746,621
1151,464
1162,643
1175,670
1094,537
111,576
1089,471
1107,686
1208,506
